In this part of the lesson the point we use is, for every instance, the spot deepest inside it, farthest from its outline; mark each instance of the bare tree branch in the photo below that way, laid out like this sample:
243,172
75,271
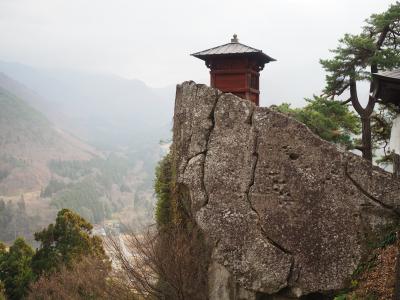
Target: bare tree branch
171,263
346,101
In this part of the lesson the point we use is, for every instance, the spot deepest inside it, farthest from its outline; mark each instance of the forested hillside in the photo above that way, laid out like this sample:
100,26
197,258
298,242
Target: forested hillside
28,141
43,168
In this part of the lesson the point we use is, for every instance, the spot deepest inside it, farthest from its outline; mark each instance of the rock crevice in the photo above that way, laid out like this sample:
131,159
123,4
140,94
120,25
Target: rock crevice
248,192
370,196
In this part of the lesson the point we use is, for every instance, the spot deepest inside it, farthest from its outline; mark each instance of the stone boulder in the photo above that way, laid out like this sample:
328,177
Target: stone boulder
285,211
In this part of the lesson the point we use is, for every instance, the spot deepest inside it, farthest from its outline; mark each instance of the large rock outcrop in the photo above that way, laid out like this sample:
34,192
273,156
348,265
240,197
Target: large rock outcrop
283,209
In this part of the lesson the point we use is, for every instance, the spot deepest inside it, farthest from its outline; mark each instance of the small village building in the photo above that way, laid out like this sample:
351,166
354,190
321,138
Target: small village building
235,68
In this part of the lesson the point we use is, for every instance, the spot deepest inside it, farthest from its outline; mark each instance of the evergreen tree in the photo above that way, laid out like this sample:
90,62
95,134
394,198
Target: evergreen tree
329,119
15,270
357,57
69,239
7,216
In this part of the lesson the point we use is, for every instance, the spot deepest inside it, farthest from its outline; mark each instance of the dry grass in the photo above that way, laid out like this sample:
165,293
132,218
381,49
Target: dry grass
379,281
88,279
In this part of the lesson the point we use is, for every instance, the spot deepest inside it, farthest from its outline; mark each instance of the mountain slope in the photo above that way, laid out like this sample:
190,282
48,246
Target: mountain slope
105,109
51,169
28,141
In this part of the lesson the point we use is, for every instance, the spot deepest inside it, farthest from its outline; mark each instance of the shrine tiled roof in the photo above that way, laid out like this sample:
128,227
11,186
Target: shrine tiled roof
232,48
394,74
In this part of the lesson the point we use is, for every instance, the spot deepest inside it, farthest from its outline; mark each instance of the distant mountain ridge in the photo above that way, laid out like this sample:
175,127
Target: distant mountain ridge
104,109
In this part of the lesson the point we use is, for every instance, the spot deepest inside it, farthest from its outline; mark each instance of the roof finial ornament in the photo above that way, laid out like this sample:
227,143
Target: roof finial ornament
235,39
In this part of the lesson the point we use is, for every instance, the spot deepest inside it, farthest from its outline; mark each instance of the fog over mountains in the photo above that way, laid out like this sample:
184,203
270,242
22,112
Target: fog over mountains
83,141
28,141
106,110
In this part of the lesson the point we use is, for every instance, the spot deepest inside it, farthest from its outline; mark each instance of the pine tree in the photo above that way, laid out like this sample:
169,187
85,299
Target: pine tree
64,242
329,119
15,270
357,57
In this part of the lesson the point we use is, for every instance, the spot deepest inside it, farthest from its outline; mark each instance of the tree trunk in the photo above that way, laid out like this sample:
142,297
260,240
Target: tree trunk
365,115
366,138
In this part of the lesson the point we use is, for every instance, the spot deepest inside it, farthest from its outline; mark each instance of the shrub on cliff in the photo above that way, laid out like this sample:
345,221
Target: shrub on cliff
172,261
163,190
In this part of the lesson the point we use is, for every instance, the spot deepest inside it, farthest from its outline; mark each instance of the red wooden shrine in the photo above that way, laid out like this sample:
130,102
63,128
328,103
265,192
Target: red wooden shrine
235,68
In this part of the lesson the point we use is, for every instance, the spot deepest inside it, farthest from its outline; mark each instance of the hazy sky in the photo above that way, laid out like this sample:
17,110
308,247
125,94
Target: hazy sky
151,40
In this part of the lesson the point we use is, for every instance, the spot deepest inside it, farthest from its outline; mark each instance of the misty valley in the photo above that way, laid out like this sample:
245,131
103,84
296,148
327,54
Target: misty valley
88,145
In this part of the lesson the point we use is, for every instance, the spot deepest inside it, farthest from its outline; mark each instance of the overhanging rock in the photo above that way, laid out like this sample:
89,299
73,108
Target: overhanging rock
283,209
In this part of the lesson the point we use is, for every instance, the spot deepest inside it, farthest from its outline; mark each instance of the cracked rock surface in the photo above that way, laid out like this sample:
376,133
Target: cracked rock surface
283,208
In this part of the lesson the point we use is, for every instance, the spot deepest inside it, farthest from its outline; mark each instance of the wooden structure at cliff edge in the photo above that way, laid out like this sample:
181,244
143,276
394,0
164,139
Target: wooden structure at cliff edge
387,86
235,68
387,89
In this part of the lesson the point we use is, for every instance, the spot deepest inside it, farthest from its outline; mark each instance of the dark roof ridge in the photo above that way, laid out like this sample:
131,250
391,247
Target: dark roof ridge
231,43
388,74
